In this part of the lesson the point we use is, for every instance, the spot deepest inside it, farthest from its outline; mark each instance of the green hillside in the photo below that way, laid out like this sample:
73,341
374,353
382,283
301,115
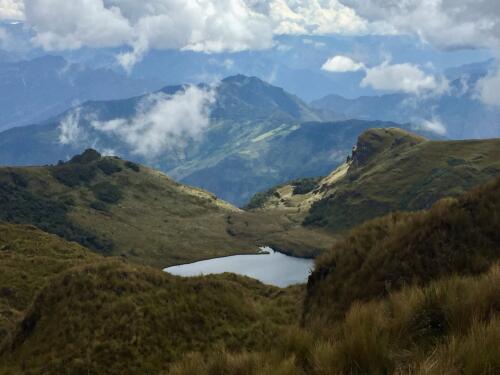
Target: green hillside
120,208
29,258
389,170
456,236
393,170
412,293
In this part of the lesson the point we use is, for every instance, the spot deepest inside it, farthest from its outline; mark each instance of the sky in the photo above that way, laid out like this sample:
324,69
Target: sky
231,26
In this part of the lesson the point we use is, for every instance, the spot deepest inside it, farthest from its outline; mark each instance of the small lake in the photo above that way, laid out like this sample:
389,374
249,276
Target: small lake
270,267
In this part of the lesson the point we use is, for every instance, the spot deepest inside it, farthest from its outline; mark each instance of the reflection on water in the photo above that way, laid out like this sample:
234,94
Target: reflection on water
270,267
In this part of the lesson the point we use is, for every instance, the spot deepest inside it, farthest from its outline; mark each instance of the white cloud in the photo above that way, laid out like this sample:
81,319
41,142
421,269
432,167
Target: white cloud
11,10
163,122
342,64
489,88
406,78
197,25
310,17
70,132
444,23
434,125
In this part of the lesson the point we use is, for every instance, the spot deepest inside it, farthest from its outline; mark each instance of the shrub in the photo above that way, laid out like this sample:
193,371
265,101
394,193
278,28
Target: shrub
99,206
130,165
74,174
87,157
107,192
305,185
109,166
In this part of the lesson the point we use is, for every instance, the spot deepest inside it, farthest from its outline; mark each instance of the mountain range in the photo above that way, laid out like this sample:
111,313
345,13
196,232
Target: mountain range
255,136
34,90
457,114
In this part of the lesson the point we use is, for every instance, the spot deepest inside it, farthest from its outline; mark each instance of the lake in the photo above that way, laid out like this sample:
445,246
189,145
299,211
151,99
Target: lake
270,267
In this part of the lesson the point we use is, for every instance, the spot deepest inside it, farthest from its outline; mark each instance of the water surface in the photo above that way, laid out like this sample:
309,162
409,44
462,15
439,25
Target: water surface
270,267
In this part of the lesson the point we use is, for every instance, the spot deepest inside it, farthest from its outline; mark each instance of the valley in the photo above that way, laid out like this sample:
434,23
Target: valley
248,187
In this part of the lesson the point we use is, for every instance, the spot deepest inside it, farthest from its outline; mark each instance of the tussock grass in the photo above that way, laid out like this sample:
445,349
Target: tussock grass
455,236
385,337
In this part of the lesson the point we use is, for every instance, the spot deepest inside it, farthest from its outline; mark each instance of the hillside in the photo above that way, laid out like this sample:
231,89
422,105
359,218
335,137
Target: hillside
456,236
28,259
119,208
389,170
96,315
255,136
64,309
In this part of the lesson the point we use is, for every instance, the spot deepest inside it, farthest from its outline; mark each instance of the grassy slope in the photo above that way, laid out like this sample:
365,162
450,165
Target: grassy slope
110,317
142,215
449,327
28,260
390,170
381,256
107,316
394,170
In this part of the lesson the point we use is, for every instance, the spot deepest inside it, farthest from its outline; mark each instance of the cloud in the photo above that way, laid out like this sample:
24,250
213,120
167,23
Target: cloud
489,88
433,125
70,132
310,17
163,122
199,25
406,78
443,23
342,64
11,10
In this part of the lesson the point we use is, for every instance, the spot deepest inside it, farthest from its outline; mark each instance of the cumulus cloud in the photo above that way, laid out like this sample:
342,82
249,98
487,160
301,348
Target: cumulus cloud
444,23
163,122
447,24
342,64
11,10
198,25
310,17
406,78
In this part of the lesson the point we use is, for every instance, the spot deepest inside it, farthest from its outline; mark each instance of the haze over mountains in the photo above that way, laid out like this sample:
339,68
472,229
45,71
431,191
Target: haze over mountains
34,90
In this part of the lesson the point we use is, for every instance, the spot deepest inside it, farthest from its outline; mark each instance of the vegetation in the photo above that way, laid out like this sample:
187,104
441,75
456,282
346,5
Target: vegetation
393,170
455,236
22,206
448,327
141,214
405,294
259,199
305,185
28,259
107,192
109,317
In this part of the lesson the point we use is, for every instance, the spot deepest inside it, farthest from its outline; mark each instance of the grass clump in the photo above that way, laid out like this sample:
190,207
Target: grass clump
380,337
455,236
107,192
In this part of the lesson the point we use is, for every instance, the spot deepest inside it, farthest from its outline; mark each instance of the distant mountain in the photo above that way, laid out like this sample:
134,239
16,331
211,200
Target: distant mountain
459,114
34,90
257,136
